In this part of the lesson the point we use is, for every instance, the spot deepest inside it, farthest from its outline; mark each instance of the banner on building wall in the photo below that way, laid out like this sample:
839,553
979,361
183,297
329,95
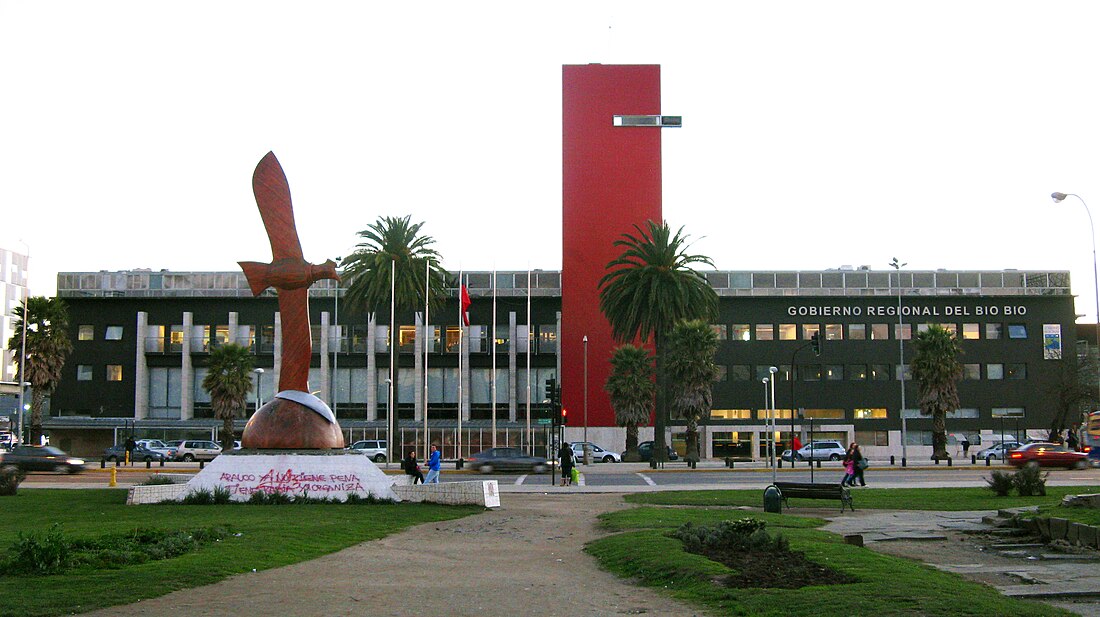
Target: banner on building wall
1052,341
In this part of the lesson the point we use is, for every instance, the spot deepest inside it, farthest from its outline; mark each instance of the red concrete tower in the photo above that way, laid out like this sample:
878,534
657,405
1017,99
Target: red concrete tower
611,180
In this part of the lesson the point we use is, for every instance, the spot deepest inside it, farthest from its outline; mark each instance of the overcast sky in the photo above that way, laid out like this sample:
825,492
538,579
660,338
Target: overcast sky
816,134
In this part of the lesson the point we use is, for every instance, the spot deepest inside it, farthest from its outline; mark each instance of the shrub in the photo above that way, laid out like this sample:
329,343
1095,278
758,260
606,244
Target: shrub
157,480
1000,483
1030,481
746,534
39,553
10,477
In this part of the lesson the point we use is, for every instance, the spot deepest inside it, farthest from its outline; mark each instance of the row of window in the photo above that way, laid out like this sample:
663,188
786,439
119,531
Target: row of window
84,372
864,372
860,331
858,413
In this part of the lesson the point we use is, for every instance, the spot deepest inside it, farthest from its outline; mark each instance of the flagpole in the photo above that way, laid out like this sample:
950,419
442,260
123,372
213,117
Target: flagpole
390,412
530,437
461,321
493,377
427,287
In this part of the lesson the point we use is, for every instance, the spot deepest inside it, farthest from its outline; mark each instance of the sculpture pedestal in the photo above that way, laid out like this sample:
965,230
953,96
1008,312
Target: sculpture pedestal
284,424
316,473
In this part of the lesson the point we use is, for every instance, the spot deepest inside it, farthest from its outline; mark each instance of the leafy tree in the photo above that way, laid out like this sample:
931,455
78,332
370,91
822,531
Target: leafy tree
1073,391
630,388
228,380
393,247
937,369
692,373
48,346
646,290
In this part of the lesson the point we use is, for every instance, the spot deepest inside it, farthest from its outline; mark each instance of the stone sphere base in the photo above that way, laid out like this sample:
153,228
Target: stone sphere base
282,424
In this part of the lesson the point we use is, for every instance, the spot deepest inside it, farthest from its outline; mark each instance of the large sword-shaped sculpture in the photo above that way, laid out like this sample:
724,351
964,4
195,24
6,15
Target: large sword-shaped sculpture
294,419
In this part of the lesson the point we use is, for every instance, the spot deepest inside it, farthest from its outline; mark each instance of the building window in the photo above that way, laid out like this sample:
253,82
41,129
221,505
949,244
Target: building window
1016,371
972,372
905,331
923,327
857,331
994,371
114,372
788,332
809,330
873,438
406,337
762,372
880,372
971,331
903,368
875,413
857,372
811,372
731,414
1017,330
1008,412
113,333
963,412
175,338
739,372
548,339
719,331
85,332
834,372
825,414
834,331
732,444
994,330
83,372
765,332
739,332
880,331
722,372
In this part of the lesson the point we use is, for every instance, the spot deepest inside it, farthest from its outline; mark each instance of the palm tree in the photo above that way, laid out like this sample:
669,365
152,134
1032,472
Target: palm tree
648,288
393,247
228,380
630,388
937,369
692,373
48,345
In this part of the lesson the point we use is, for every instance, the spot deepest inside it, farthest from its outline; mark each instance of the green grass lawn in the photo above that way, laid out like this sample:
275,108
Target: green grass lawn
887,586
1088,516
270,536
954,499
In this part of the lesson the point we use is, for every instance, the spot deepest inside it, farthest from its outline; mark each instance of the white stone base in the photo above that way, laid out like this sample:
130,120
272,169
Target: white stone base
314,473
478,492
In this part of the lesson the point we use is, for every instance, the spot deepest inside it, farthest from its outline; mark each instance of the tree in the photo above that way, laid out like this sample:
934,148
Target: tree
393,247
692,373
228,380
937,369
48,346
630,388
647,289
1073,392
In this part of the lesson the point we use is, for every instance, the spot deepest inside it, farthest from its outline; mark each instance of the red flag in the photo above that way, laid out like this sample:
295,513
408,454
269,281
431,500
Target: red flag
465,306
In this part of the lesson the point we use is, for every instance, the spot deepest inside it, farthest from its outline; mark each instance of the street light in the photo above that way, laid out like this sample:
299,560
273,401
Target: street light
901,359
23,345
772,370
1058,197
22,409
389,418
585,341
768,445
259,382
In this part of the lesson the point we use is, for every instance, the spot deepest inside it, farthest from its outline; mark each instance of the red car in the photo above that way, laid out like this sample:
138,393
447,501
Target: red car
1047,455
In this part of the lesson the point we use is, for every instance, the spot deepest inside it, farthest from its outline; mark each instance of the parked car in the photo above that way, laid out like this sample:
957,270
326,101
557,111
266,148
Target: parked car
645,450
42,458
117,452
821,451
506,459
1046,454
375,449
597,453
787,456
197,450
997,452
157,445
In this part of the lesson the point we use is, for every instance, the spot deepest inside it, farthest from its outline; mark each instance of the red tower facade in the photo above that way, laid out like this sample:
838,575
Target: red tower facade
611,180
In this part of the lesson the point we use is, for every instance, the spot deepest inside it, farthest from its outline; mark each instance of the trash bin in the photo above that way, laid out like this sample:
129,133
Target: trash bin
773,499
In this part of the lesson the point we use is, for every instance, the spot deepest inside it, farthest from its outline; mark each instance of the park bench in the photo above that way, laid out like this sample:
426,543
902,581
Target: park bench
807,490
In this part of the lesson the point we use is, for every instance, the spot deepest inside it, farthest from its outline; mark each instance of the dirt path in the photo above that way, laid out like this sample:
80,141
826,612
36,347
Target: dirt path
524,558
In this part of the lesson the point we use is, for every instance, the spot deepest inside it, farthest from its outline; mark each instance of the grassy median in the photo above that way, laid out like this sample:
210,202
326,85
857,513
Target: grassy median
260,537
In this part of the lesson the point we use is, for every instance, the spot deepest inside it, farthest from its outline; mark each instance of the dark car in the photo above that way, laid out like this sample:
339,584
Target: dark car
1046,454
506,459
42,458
117,452
645,450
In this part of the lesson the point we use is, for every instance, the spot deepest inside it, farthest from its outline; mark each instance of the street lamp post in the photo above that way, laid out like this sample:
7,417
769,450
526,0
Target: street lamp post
772,370
1058,197
586,455
23,344
259,384
901,360
767,419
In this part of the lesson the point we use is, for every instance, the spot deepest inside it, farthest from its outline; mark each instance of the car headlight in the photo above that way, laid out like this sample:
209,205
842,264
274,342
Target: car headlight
75,461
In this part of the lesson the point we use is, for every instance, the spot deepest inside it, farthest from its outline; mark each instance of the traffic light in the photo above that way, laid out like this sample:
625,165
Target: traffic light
551,389
564,416
815,342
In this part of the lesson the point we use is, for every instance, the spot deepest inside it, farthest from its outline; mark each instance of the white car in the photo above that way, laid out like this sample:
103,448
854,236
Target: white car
597,453
998,452
197,450
375,449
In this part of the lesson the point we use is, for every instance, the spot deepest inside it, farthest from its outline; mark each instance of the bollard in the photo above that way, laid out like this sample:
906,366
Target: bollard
819,463
904,462
773,499
148,463
987,459
102,463
936,459
201,464
162,462
459,463
949,461
891,460
973,459
114,476
116,462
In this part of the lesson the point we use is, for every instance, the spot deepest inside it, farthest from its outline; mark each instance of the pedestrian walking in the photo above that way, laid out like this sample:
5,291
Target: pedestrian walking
966,446
130,445
433,466
566,456
859,464
1071,438
412,469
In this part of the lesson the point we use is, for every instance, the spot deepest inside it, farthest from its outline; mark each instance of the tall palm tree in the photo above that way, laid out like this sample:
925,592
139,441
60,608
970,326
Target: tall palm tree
937,369
48,345
228,380
692,373
648,288
393,246
630,388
